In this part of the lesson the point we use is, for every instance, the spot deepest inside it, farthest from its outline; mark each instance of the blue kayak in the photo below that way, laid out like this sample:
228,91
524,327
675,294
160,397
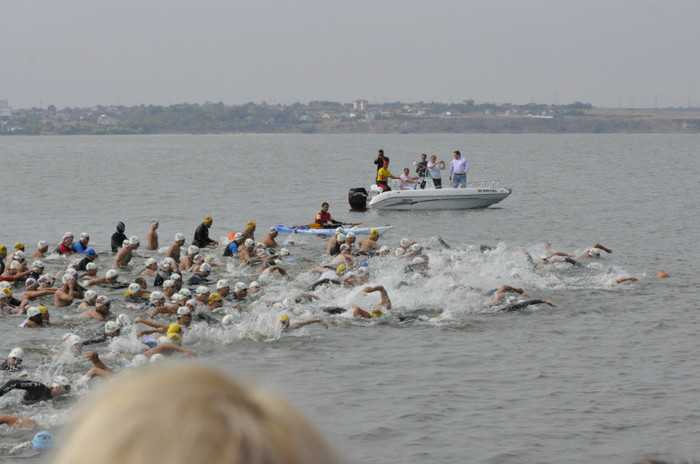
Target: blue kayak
305,229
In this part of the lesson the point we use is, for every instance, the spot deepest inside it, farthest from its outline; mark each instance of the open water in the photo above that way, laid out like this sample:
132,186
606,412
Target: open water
609,375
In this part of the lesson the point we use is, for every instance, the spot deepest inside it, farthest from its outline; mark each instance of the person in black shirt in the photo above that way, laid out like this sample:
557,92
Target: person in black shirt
201,235
380,159
37,391
118,237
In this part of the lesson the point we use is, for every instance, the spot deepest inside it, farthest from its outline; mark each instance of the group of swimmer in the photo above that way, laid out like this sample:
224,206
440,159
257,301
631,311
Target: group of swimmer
171,296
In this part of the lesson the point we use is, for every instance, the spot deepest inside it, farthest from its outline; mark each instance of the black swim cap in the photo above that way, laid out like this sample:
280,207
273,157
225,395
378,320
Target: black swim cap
121,227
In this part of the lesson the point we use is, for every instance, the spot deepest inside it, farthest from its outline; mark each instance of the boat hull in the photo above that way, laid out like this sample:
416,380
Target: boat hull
329,232
435,199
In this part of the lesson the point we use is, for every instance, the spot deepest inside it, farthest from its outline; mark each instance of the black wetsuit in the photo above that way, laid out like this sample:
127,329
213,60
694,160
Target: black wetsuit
335,249
519,305
117,241
2,265
161,277
197,279
100,337
201,236
82,265
33,391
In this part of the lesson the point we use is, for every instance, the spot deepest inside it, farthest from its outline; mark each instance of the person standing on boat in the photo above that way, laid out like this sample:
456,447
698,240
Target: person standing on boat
421,169
383,175
380,159
458,170
434,168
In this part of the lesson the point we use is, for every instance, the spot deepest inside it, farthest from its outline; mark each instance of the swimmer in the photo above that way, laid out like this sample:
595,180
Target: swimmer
594,252
66,245
110,330
82,244
618,281
118,237
99,368
328,275
174,249
187,262
339,241
334,238
269,240
550,258
201,234
232,247
369,244
125,254
150,267
37,316
14,361
18,422
64,296
345,256
285,325
249,231
37,391
33,291
41,248
101,310
152,235
201,276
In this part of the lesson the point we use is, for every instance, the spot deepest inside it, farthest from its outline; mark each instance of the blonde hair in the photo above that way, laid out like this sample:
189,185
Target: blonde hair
187,413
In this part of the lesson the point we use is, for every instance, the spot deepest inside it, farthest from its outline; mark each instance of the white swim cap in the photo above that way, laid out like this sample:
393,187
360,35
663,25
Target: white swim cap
339,230
42,244
156,358
33,311
205,267
90,294
123,320
284,252
192,250
156,296
111,327
350,235
19,254
164,340
186,291
139,360
416,247
202,290
17,353
273,229
222,283
418,260
112,273
91,267
168,283
179,237
66,278
182,310
384,249
30,282
102,300
249,242
254,284
240,286
344,247
404,241
227,320
150,261
59,381
594,252
175,276
134,240
399,251
177,296
134,289
341,238
37,265
84,235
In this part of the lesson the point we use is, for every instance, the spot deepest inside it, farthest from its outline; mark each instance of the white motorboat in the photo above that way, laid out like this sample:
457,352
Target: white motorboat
476,195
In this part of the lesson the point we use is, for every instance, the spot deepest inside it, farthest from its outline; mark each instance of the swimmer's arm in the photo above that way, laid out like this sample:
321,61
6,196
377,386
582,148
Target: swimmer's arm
167,348
150,323
94,358
359,312
16,421
442,242
626,279
296,325
386,301
598,245
169,309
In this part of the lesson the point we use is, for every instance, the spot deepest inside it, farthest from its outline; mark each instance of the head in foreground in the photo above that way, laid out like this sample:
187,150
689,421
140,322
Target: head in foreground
190,413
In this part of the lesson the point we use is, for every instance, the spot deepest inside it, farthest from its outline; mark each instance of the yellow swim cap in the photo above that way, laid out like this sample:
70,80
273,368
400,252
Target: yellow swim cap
376,312
341,269
284,318
174,328
208,219
214,297
43,309
175,337
7,292
374,233
19,246
251,223
3,249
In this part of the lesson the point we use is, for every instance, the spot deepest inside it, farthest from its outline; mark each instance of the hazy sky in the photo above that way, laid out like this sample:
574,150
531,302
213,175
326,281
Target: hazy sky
629,53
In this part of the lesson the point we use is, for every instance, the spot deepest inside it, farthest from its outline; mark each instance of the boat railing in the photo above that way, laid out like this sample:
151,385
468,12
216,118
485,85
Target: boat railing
493,183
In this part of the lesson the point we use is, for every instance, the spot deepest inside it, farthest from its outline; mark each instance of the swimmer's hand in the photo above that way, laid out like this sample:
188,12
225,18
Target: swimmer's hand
323,323
92,356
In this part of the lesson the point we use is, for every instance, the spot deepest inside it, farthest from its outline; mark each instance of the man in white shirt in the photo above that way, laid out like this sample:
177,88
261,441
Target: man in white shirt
458,170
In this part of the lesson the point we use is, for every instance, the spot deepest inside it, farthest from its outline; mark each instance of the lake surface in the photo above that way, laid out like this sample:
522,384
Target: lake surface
609,375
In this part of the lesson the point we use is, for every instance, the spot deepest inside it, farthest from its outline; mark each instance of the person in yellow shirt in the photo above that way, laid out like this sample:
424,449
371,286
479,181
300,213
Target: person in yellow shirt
383,175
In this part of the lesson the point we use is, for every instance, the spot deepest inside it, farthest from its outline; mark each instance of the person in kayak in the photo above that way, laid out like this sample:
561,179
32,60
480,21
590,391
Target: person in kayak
325,220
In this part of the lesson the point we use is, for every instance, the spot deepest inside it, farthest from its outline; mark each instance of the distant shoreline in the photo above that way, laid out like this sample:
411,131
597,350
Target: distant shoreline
580,121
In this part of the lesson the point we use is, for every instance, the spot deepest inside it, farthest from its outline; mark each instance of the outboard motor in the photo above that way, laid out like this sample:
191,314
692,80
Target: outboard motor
357,197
